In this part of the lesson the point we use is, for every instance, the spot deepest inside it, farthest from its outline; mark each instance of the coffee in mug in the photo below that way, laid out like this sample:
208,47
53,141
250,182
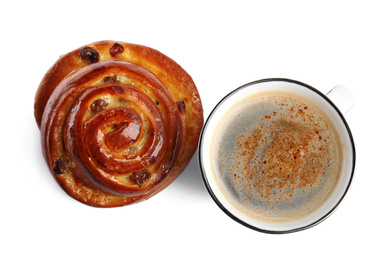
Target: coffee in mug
274,157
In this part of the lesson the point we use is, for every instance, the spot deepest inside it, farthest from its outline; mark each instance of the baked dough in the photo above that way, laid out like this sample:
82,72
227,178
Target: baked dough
119,122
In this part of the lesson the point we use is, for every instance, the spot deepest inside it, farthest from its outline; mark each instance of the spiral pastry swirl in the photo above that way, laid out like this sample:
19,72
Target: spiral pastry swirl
119,122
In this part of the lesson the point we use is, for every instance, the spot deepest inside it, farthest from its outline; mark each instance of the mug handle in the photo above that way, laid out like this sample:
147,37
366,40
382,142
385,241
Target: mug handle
342,98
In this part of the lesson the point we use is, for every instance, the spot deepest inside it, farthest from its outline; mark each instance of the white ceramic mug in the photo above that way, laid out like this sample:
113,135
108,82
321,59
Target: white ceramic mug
344,101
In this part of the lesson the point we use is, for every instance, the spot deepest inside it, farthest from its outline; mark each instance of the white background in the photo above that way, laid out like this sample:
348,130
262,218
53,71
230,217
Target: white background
222,45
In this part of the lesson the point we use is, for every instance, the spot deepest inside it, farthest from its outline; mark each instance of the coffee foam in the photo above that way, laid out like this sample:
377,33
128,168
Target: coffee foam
276,156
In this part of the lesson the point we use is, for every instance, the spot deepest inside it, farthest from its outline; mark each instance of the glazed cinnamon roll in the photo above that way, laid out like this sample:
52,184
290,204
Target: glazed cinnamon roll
119,122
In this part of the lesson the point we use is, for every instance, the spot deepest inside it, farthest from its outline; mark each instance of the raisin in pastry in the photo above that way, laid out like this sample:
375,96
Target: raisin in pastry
119,122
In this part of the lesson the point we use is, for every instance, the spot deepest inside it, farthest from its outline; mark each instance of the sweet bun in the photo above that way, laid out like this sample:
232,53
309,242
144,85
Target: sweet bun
119,122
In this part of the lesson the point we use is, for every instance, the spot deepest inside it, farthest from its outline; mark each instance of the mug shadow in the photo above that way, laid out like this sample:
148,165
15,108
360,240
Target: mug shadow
191,180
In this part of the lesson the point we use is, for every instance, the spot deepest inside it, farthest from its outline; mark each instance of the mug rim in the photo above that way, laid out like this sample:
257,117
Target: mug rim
231,215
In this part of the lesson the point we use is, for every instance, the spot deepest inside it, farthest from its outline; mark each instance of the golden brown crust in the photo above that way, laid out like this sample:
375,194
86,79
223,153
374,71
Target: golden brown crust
119,122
